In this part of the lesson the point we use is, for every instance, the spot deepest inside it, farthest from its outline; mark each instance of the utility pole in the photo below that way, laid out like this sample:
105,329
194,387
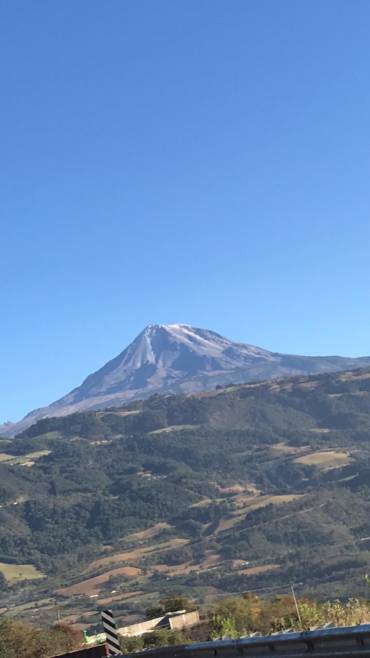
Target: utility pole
57,610
296,607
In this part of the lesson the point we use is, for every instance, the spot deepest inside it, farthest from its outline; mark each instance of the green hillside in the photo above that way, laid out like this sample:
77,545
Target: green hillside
247,487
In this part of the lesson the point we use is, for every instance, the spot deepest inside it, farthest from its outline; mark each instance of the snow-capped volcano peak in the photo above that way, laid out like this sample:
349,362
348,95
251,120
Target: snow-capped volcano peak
162,343
178,358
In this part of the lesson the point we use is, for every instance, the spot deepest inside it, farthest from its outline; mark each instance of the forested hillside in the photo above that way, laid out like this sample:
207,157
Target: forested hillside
242,488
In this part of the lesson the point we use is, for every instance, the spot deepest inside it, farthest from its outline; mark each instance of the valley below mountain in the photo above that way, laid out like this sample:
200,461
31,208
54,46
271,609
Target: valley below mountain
246,487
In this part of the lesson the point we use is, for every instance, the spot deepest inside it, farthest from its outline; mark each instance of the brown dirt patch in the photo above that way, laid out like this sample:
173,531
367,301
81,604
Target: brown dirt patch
251,503
149,533
136,554
176,570
93,585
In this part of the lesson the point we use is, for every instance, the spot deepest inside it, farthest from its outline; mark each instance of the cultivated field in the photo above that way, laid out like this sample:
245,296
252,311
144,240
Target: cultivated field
326,459
149,533
15,572
92,586
23,460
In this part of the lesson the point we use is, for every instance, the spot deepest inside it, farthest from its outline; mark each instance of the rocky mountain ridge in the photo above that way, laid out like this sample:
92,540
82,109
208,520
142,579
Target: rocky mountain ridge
179,358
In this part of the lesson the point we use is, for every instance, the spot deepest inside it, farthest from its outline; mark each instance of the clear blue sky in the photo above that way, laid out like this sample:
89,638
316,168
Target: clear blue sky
200,161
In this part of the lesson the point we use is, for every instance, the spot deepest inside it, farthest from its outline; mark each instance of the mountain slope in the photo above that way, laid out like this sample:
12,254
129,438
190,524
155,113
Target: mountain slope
235,489
179,358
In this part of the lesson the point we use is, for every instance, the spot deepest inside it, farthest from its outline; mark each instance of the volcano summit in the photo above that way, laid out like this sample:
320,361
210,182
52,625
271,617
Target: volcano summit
179,358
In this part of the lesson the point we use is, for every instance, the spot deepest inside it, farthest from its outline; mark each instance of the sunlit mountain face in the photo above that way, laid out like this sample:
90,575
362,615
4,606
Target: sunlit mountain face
179,358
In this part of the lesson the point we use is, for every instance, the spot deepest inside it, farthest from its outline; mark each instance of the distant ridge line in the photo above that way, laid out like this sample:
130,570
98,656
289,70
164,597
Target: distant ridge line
179,359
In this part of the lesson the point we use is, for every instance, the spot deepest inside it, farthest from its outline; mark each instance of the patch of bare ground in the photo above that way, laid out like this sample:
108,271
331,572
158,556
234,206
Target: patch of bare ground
348,376
203,503
210,559
238,564
244,505
133,412
277,387
18,572
226,524
251,503
236,488
283,448
175,570
136,554
24,460
149,533
92,586
173,428
308,386
325,459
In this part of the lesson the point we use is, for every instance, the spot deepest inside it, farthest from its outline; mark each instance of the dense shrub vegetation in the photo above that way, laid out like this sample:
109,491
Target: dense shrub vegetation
230,617
177,460
20,640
